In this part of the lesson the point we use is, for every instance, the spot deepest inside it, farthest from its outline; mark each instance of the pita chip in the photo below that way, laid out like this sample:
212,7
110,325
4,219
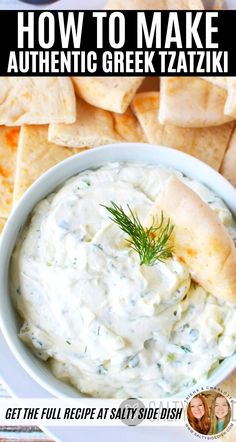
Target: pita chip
228,168
109,93
217,81
153,4
135,4
207,144
128,127
35,156
8,151
204,109
2,223
217,5
200,239
150,84
230,105
36,100
185,4
93,127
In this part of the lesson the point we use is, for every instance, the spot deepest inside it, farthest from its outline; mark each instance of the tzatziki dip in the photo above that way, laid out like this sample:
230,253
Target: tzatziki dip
104,323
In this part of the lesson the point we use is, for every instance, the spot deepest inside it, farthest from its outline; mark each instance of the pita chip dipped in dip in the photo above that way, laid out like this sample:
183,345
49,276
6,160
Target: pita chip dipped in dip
200,239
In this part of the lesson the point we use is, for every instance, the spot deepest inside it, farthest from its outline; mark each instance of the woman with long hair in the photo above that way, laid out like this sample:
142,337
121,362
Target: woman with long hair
220,414
198,414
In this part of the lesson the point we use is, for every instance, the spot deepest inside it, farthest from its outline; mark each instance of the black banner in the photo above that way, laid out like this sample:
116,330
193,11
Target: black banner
117,43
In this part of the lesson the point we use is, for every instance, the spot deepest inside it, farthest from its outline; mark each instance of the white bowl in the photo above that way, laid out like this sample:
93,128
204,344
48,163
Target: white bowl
92,159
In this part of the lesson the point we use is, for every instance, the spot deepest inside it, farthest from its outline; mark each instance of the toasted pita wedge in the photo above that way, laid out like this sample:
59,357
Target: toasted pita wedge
135,4
217,4
93,127
128,127
228,168
153,4
217,81
36,155
185,4
200,239
36,100
8,150
150,84
110,93
230,105
207,144
2,223
204,109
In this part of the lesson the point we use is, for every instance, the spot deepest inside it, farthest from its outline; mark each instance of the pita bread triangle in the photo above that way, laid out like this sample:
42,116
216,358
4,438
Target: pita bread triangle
35,156
36,100
153,4
200,239
204,109
207,144
8,152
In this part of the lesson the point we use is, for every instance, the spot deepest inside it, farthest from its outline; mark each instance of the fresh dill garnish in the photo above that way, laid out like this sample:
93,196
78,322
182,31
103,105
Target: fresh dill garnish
151,243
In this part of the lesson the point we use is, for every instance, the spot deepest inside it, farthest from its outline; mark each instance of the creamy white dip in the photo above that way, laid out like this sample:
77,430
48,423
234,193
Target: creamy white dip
105,324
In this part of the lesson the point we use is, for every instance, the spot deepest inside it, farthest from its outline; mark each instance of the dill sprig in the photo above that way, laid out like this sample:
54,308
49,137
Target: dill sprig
151,243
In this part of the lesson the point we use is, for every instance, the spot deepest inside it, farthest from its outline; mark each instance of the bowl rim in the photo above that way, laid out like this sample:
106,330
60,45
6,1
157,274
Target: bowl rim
57,175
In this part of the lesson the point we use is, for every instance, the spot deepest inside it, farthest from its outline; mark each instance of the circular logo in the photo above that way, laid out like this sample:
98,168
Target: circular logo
130,411
209,412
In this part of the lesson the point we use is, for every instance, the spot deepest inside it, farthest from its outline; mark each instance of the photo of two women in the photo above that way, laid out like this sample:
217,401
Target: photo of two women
209,412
